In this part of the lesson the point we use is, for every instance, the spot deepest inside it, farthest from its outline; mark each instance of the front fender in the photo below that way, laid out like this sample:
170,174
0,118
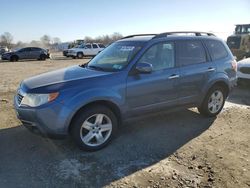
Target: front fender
83,98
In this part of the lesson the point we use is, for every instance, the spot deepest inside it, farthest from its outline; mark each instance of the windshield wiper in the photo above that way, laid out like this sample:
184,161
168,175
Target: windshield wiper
96,67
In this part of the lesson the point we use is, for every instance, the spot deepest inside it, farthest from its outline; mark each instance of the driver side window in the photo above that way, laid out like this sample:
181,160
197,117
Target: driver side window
160,55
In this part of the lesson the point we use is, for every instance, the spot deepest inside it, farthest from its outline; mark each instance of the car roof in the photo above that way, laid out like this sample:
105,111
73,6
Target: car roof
172,36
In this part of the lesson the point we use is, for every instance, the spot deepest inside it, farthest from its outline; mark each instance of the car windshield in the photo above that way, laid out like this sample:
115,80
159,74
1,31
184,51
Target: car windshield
115,57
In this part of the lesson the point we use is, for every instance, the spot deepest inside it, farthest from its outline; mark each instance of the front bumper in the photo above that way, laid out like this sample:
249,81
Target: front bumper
72,54
46,120
5,58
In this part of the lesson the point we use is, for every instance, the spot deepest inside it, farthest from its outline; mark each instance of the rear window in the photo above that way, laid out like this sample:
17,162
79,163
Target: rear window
216,49
190,52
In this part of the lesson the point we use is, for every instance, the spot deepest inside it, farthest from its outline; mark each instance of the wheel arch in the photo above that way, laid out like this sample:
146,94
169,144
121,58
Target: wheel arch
112,106
14,55
222,83
80,52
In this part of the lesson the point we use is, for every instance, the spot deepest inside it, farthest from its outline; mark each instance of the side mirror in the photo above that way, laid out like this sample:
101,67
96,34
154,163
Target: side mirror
144,68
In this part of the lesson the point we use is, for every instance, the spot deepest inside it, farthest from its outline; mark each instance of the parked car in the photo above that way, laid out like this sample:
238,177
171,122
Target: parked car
133,76
85,50
243,72
65,52
27,53
3,50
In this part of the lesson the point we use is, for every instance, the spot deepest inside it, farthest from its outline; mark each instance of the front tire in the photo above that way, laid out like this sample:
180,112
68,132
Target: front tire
94,127
213,102
13,58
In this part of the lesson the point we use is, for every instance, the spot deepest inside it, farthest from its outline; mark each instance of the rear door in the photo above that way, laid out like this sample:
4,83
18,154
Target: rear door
195,68
35,53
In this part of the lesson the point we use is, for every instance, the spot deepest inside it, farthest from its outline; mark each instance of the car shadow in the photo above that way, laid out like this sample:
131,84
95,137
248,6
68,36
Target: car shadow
28,160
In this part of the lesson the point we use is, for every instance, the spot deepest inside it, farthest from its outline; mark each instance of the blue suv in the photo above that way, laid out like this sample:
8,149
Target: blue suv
136,75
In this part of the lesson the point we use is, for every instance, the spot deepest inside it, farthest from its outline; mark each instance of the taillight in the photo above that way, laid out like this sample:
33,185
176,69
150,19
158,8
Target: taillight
234,65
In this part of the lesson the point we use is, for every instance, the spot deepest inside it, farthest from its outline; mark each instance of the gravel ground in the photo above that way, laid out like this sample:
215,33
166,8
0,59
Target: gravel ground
160,150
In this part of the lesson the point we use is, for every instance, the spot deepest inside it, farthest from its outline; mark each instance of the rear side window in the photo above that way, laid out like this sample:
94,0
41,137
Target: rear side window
190,52
101,46
36,49
216,49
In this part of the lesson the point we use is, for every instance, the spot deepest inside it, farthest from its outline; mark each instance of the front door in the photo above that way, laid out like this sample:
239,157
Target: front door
158,88
88,50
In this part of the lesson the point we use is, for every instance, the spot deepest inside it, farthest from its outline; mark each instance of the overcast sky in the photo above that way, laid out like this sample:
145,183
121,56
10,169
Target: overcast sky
28,20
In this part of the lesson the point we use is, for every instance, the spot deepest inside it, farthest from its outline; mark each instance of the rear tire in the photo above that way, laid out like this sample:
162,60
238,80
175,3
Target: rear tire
94,127
42,57
213,102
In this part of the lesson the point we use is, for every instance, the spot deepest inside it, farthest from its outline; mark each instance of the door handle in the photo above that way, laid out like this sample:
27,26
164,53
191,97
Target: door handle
210,69
173,76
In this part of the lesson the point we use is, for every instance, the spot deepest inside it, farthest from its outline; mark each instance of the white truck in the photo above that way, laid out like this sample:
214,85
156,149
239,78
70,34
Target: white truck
89,49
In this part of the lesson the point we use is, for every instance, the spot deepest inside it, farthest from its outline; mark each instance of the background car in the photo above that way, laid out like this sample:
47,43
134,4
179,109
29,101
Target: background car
3,50
65,52
27,53
85,50
243,71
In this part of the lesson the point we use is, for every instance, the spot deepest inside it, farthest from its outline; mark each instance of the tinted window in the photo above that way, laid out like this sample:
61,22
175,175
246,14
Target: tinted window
161,56
101,46
216,49
88,46
94,46
24,50
190,52
36,49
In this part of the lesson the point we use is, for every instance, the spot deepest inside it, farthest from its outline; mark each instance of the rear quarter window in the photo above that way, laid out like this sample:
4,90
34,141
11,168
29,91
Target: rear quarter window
216,49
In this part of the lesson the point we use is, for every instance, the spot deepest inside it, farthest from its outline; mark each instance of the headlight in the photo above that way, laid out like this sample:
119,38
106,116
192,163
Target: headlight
34,100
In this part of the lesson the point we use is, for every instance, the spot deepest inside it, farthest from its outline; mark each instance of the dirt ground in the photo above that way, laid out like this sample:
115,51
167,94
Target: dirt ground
177,149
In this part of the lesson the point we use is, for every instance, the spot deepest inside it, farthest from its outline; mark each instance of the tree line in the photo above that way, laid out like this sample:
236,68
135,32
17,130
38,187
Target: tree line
46,41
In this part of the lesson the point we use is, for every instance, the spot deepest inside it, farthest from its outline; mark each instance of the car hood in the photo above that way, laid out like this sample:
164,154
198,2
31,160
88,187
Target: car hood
73,49
8,53
60,79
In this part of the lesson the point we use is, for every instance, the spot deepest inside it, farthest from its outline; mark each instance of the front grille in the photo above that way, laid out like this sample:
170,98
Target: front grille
233,42
19,98
245,70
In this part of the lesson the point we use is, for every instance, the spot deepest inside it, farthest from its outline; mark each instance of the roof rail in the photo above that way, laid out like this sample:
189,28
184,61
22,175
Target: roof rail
197,33
138,35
